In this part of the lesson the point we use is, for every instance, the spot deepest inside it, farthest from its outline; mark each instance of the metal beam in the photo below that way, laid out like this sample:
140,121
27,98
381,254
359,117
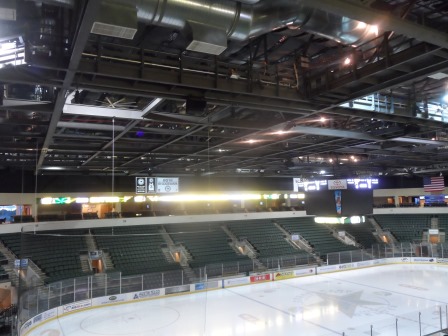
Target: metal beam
88,16
383,20
152,105
333,133
89,126
106,112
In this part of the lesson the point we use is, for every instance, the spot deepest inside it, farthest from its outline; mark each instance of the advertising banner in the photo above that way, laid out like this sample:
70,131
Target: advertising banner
260,278
167,185
284,275
104,300
326,269
346,266
305,271
236,282
337,184
146,294
423,260
79,305
177,289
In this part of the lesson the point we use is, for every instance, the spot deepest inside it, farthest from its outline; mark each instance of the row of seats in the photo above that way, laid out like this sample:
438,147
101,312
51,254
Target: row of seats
406,228
134,249
317,235
264,236
207,244
138,249
362,232
55,252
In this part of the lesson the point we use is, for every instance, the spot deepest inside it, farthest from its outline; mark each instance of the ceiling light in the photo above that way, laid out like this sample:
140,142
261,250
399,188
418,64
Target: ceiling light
361,25
322,172
323,119
347,61
373,30
331,160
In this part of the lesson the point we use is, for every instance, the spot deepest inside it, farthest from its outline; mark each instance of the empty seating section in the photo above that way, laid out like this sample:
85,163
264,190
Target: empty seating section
207,244
134,249
406,228
264,236
361,232
3,273
443,223
318,236
55,252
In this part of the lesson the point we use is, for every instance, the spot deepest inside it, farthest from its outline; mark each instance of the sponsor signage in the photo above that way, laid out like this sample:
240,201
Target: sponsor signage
260,278
104,300
346,266
27,325
325,269
140,185
177,289
76,306
295,237
199,286
364,263
305,271
37,319
422,259
300,184
442,260
214,284
337,184
433,231
151,185
236,282
147,294
284,275
362,183
167,185
46,315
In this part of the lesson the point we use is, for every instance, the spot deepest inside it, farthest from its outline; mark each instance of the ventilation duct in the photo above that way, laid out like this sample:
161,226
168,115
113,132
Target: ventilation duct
8,10
212,22
116,20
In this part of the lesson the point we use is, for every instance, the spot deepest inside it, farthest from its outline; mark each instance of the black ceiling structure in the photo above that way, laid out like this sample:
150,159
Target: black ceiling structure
332,88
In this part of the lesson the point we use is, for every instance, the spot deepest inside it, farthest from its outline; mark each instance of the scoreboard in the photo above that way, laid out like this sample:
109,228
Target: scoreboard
152,185
305,185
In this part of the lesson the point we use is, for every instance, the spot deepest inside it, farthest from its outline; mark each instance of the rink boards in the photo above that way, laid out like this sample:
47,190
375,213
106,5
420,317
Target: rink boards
150,294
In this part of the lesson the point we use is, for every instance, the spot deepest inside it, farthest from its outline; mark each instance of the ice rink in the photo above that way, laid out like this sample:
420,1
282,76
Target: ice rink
372,301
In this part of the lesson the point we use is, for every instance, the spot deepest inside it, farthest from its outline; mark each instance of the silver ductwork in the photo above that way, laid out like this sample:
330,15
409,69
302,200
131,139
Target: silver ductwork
213,22
225,19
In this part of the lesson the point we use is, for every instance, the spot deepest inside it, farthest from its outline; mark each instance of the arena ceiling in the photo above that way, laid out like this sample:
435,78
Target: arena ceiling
227,88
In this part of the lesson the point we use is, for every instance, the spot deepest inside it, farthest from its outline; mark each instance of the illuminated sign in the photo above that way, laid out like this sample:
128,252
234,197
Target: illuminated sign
337,184
307,185
83,200
151,185
167,184
362,183
56,200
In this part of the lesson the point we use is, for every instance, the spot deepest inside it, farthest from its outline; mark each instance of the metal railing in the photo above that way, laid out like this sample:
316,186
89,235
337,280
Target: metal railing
398,250
37,299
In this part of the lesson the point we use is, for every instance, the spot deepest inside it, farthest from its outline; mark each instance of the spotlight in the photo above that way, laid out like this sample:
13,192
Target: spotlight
347,61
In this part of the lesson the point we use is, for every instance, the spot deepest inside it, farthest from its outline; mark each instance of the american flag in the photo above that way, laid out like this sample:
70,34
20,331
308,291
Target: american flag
433,183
